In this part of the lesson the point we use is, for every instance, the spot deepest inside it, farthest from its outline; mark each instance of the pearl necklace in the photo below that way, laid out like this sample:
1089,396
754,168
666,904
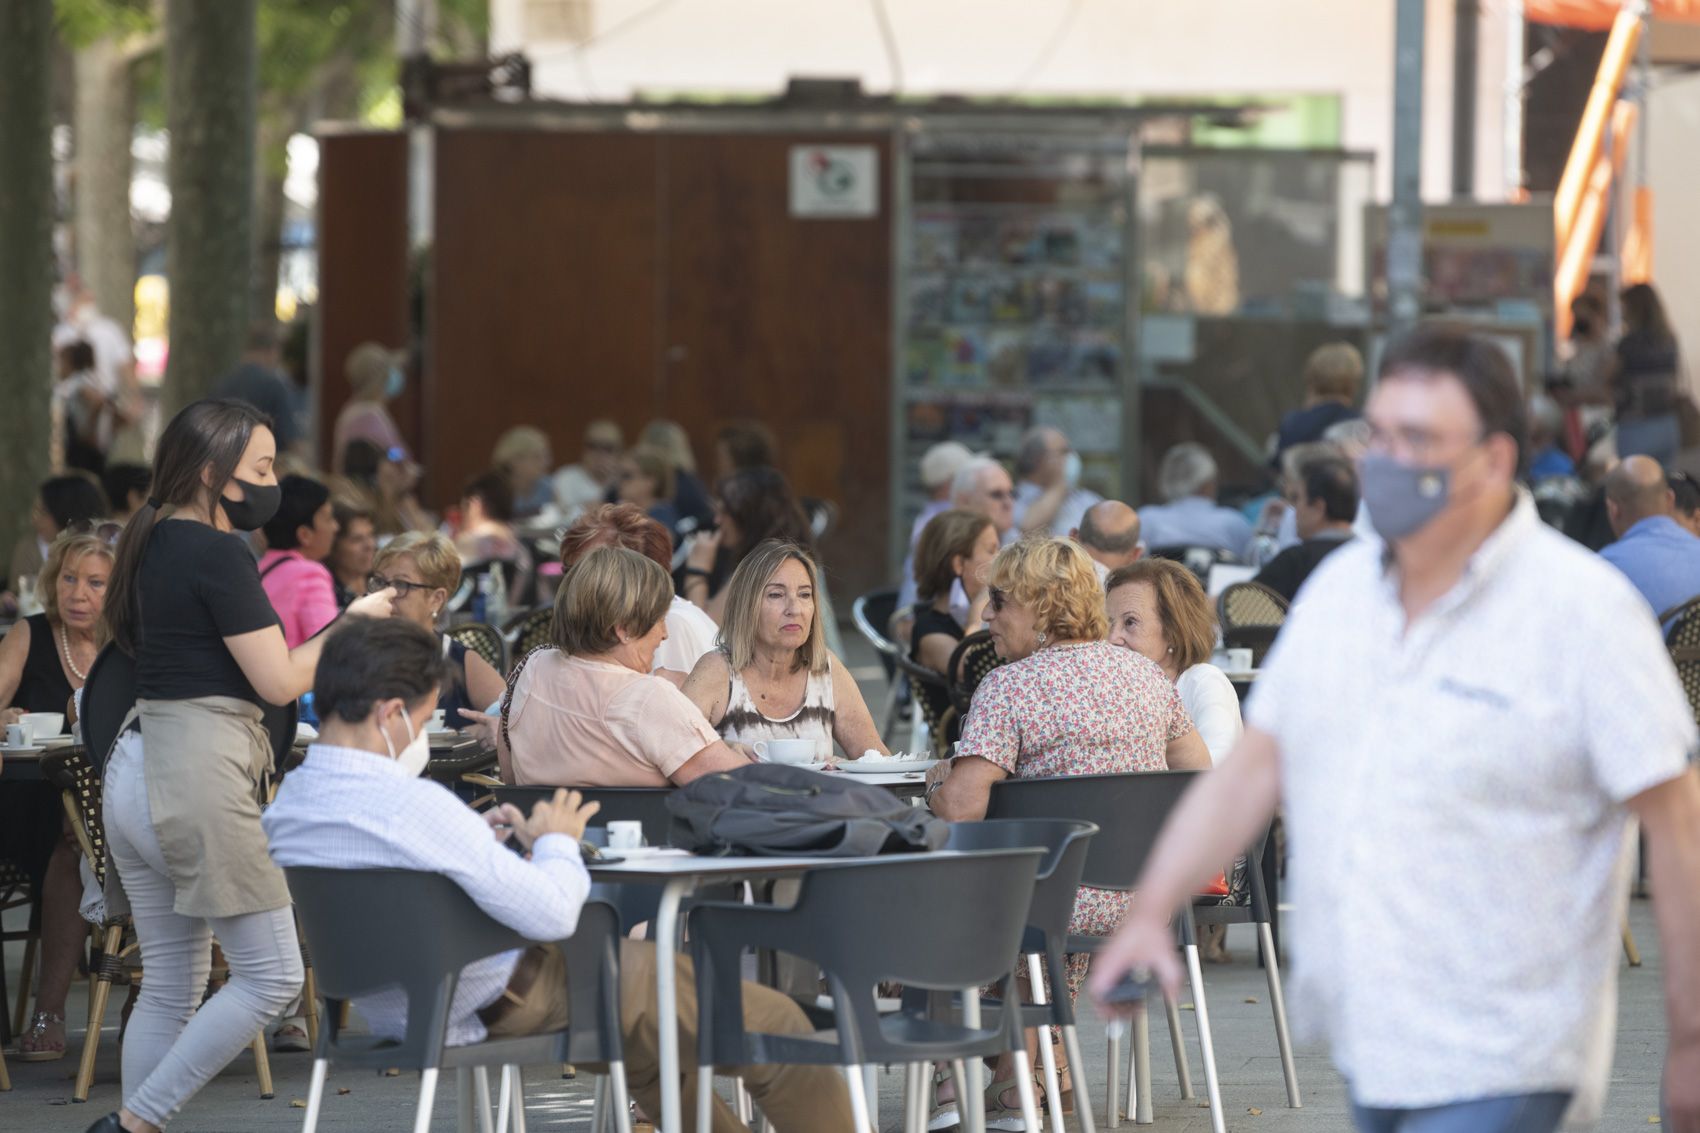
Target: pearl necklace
65,645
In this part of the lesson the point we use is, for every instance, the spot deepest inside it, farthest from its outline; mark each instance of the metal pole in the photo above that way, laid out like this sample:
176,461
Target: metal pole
1466,65
1405,217
1515,28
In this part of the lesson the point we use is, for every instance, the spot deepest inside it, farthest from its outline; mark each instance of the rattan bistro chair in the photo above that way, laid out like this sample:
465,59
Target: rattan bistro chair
529,631
1251,615
70,770
972,659
484,640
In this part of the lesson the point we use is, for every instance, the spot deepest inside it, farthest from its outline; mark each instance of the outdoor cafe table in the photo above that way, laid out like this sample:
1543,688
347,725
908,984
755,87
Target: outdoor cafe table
678,874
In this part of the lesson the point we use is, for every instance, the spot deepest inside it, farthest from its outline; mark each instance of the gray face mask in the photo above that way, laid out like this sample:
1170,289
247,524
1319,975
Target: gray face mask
1402,499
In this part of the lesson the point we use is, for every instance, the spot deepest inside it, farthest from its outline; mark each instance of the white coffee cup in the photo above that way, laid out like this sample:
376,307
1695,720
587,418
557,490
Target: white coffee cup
437,724
1239,661
44,725
18,735
787,751
625,835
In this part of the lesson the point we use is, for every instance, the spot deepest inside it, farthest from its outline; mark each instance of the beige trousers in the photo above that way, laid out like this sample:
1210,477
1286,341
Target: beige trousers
797,1099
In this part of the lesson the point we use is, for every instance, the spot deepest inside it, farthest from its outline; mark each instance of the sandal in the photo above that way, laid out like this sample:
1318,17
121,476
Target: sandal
36,1044
290,1038
943,1114
1001,1116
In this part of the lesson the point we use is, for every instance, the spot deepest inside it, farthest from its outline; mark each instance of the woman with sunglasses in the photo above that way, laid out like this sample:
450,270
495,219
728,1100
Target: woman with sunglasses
42,662
423,570
182,783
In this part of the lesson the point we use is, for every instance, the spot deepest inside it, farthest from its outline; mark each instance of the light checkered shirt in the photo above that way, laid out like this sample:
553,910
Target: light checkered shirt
349,809
1454,791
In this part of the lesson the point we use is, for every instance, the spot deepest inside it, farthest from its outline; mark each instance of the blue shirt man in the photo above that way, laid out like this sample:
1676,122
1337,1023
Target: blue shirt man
1655,552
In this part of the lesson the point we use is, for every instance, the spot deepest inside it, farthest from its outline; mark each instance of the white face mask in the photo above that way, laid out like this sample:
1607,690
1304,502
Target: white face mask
416,754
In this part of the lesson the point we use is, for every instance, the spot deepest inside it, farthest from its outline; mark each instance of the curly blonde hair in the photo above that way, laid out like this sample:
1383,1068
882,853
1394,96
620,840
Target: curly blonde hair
1054,579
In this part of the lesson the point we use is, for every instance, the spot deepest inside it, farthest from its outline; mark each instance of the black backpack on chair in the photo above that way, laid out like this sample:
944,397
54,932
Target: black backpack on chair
773,810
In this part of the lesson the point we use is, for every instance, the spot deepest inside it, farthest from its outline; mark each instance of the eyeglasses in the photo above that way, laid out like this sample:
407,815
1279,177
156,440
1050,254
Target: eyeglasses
401,586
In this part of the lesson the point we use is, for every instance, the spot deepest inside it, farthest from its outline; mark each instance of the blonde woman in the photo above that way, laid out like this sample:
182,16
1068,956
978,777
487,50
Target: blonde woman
522,454
1066,702
424,570
42,662
773,676
588,712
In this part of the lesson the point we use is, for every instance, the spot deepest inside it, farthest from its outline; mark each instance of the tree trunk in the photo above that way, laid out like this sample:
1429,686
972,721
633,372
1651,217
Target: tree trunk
271,167
26,256
210,63
105,117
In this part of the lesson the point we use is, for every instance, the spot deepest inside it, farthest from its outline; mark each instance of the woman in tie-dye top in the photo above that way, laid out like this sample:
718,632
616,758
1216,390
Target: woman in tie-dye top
773,676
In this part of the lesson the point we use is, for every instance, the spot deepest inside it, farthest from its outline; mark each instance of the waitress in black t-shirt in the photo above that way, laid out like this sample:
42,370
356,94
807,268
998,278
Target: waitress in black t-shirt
181,783
951,558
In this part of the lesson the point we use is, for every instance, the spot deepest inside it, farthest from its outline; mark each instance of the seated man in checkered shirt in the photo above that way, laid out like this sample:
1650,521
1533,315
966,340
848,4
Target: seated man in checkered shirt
357,802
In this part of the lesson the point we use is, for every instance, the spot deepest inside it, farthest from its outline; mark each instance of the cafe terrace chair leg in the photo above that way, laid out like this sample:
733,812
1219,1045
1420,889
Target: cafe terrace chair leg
1139,1075
315,1094
858,1100
915,1097
621,1097
1082,1095
5,1078
481,1097
427,1100
1112,1081
1278,1003
1212,1088
518,1089
101,987
263,1065
1630,952
1047,1053
1024,1087
599,1106
1177,1039
959,1090
504,1098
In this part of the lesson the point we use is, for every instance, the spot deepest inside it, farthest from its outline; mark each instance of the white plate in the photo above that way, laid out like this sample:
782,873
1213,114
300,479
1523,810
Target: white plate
635,852
884,766
54,741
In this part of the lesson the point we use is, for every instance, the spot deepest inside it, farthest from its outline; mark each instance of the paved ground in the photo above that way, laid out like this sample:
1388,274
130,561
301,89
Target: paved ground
1252,1090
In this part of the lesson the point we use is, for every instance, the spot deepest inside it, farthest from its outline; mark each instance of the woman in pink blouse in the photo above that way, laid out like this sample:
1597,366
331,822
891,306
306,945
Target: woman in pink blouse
299,540
1065,702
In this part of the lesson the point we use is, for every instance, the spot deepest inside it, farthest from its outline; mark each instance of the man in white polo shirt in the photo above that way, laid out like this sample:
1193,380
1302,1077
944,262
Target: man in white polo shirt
1459,722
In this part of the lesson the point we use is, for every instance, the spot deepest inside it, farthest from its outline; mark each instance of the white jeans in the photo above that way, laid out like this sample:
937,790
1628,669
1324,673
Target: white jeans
171,1049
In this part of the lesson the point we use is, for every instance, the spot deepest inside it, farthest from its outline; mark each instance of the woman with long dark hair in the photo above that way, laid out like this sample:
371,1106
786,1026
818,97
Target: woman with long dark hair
182,780
1648,379
754,505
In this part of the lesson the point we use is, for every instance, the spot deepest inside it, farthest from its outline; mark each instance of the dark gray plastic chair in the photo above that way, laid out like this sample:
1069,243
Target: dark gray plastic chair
1260,912
976,906
371,929
1129,810
647,805
1058,880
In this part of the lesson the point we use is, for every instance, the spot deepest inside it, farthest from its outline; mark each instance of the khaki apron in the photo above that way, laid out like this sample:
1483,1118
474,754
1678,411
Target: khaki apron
204,761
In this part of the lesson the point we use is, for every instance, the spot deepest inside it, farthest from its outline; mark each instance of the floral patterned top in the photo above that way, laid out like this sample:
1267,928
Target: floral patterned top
1084,709
1081,709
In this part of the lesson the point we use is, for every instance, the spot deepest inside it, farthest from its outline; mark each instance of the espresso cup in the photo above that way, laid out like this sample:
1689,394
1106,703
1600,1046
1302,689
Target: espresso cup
18,735
1239,660
787,751
625,835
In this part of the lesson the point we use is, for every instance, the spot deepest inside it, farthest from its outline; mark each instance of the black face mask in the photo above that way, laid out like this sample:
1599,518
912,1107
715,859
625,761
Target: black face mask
255,509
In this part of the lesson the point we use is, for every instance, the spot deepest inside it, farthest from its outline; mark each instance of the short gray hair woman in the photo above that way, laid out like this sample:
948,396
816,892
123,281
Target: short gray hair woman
773,676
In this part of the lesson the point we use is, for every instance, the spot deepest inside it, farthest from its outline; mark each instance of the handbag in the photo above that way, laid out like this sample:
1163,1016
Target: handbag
774,810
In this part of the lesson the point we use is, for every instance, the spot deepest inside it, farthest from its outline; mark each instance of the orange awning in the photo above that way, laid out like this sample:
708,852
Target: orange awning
1597,15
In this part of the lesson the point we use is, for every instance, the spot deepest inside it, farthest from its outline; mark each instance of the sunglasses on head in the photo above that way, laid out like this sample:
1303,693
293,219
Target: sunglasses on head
105,530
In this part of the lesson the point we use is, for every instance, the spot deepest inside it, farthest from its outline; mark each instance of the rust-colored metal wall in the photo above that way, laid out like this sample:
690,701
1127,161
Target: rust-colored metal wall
363,290
631,276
